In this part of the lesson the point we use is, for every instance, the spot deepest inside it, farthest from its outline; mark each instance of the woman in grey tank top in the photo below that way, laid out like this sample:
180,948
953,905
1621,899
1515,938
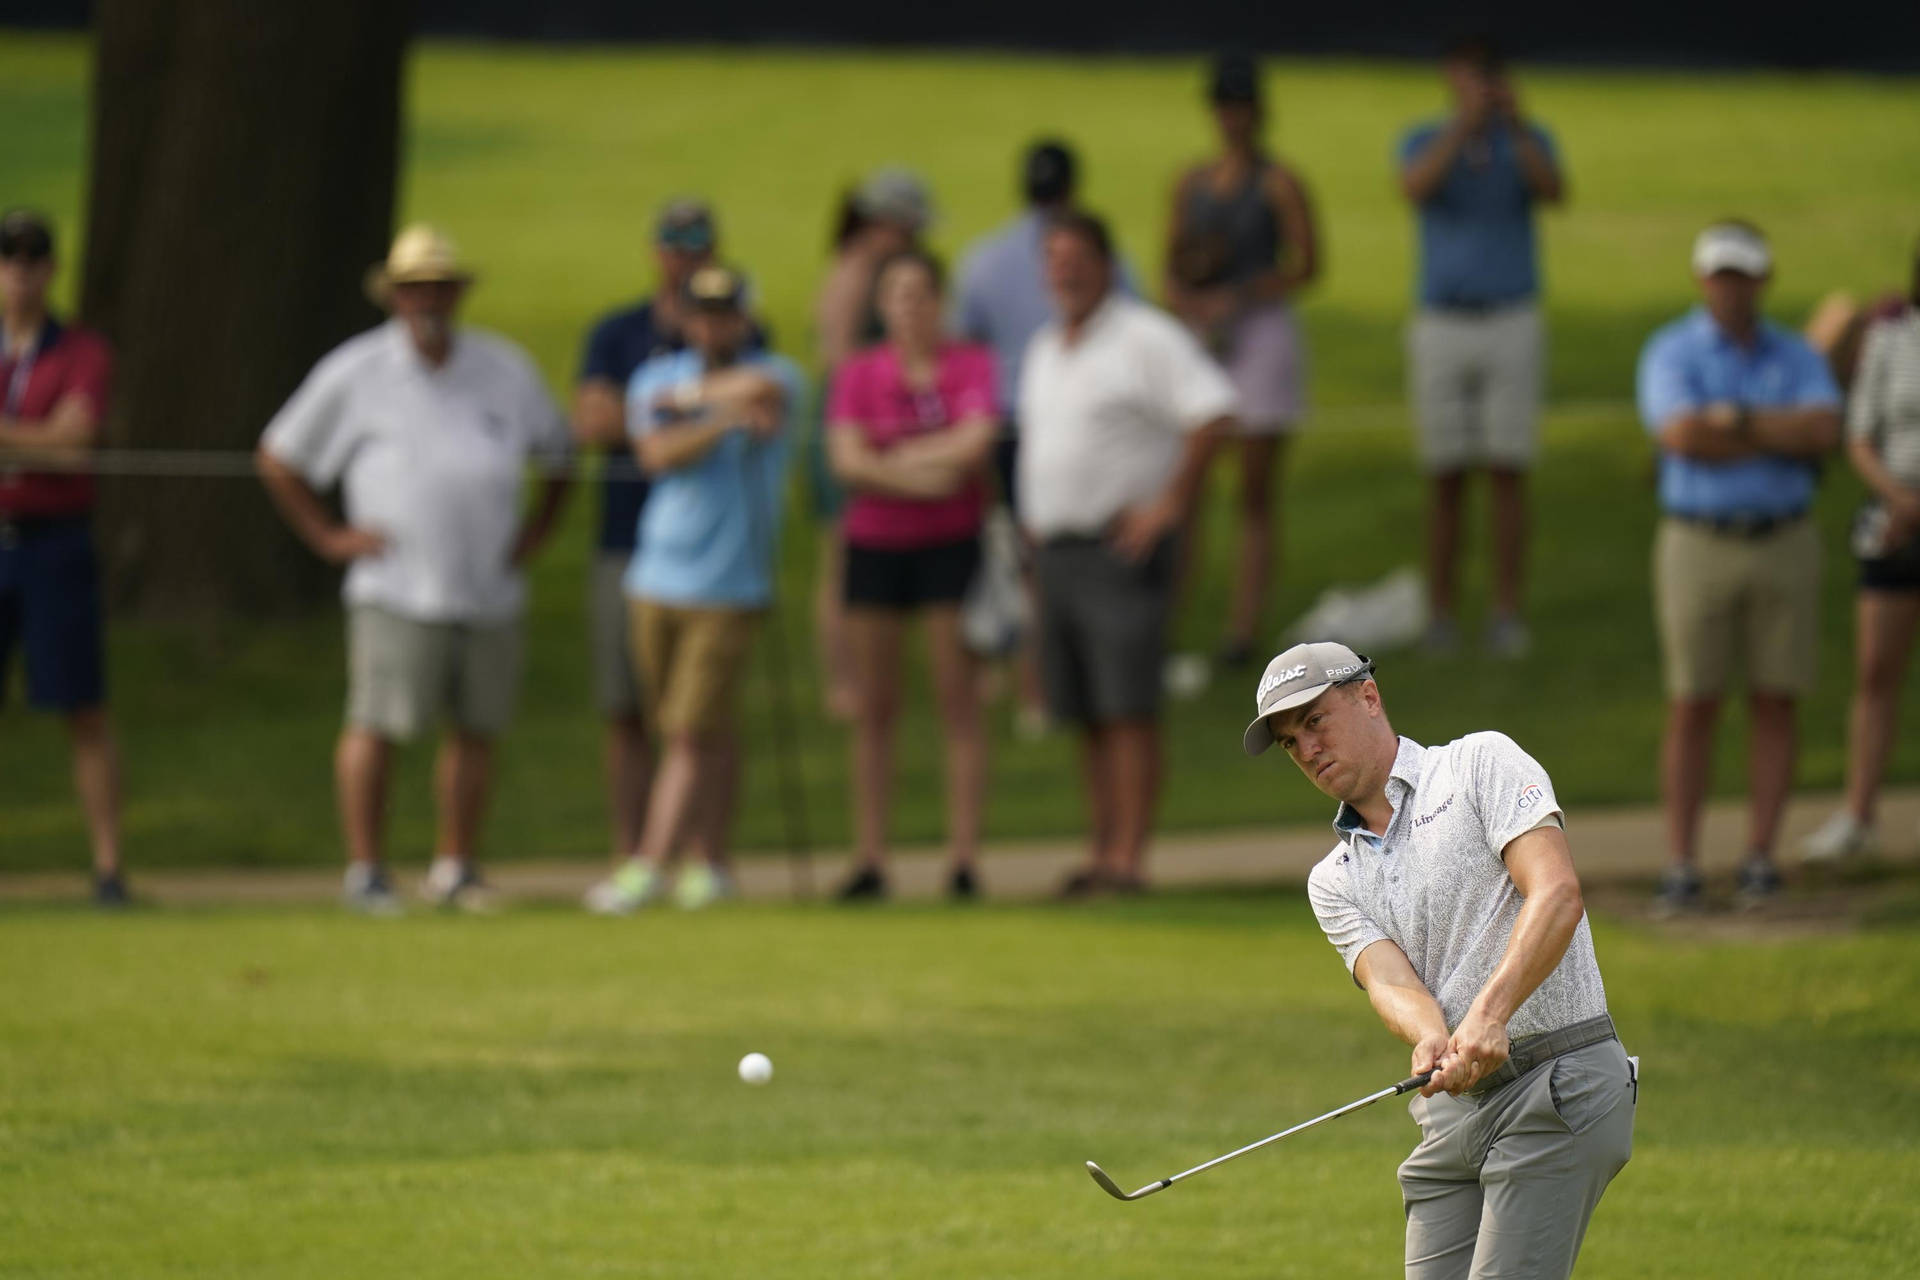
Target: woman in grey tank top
1241,244
1883,443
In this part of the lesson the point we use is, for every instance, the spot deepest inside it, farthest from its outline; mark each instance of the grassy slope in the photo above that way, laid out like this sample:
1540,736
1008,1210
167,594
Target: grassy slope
301,1094
547,164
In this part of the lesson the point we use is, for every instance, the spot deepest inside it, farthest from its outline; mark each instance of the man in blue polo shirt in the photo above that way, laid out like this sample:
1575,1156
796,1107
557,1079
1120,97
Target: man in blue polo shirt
685,239
1741,411
1477,347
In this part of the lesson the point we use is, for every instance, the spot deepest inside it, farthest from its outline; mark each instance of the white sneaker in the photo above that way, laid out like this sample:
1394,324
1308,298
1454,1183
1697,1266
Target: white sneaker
454,882
1840,837
366,889
701,885
627,890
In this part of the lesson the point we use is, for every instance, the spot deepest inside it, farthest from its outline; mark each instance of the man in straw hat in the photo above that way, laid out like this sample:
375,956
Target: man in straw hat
1452,897
427,428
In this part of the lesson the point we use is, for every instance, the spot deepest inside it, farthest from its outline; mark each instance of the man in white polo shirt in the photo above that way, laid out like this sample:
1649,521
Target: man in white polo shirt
1119,411
427,429
1452,897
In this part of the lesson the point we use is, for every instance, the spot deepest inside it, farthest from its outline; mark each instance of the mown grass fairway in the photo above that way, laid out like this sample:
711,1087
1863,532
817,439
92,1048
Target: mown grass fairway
299,1094
548,164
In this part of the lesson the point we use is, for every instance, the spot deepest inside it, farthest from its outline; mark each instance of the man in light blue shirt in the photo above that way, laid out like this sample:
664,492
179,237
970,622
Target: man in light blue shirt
712,426
1741,411
1477,346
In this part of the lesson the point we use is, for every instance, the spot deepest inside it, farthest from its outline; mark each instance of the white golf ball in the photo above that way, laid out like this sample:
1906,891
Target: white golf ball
756,1068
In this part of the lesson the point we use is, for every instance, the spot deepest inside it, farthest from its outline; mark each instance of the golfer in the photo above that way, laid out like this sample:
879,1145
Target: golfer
1453,900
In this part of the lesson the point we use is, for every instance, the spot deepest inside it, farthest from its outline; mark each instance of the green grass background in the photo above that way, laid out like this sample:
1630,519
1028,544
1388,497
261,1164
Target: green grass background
547,164
299,1093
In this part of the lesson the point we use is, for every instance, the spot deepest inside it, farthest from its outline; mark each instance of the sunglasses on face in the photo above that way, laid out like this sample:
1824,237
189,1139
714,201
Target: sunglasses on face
27,251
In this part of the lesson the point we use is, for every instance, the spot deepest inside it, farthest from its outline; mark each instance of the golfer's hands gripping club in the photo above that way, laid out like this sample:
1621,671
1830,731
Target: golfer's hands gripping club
1477,1048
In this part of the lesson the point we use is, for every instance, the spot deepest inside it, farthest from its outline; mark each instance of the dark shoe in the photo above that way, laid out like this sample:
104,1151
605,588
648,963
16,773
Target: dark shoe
110,891
963,885
1678,894
867,884
1080,884
1759,881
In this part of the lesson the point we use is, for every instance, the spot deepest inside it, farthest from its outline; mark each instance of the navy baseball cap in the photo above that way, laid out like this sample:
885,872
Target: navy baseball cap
686,224
1048,173
25,234
1236,78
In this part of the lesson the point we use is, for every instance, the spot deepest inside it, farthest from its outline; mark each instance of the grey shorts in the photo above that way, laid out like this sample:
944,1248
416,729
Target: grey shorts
616,689
1103,629
405,677
1267,360
1475,380
1504,1184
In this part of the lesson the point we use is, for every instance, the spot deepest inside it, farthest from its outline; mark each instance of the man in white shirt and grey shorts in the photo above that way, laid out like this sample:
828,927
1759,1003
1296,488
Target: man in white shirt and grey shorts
1451,896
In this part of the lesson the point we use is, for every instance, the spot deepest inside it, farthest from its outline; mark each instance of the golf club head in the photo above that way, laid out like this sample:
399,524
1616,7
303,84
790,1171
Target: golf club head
1112,1188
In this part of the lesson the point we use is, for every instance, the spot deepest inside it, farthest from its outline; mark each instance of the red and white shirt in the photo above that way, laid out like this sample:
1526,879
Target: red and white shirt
63,360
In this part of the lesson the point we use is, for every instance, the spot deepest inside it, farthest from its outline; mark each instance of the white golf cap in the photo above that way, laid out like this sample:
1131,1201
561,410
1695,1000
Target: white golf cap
1730,246
1296,678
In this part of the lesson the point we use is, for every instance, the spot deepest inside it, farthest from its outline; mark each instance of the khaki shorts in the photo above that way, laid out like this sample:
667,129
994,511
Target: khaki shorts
1475,382
691,662
616,690
1726,602
404,677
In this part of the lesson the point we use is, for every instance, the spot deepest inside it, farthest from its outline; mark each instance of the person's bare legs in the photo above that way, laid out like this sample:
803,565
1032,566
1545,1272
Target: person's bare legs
837,676
361,763
1133,772
674,800
1686,755
628,760
1885,624
96,779
1445,494
1261,458
463,774
956,686
874,641
1508,498
713,837
1771,748
1093,760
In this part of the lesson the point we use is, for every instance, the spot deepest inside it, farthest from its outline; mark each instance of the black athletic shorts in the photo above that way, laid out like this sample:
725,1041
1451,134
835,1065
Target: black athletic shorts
910,577
1103,629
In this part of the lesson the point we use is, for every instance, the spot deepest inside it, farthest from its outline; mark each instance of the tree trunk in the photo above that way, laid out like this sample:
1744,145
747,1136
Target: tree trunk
243,175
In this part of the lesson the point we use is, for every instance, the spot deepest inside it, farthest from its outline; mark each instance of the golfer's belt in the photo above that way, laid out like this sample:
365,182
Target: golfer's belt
1530,1051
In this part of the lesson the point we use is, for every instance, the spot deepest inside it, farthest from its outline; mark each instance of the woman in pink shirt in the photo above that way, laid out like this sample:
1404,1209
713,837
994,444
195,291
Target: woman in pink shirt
910,427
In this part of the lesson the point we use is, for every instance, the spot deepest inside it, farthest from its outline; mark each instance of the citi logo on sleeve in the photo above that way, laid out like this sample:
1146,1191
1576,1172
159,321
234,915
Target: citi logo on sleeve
1530,795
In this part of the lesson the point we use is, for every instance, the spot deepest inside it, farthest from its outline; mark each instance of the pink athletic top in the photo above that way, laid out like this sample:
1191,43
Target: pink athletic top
871,394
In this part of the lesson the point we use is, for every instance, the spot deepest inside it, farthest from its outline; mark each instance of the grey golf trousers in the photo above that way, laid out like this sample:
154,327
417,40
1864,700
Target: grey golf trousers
1503,1185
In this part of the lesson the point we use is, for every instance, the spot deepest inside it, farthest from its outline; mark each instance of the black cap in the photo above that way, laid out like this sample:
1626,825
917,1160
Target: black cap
1047,176
716,288
686,224
25,234
1235,78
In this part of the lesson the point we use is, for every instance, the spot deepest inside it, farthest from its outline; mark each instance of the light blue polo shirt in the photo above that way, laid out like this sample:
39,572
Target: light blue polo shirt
709,529
1689,364
1476,232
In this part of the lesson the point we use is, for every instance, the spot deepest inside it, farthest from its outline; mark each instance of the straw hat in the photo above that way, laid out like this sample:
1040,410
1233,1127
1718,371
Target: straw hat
421,254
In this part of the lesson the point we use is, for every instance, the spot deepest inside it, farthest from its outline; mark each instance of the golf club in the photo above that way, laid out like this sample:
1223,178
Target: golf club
1112,1188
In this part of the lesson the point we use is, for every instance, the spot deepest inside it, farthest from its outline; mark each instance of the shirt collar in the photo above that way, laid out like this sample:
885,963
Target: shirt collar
1407,765
402,344
1704,325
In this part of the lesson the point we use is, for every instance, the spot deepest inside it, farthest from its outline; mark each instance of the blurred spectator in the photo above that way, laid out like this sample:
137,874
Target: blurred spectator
1883,442
911,424
1838,326
427,427
1477,347
1241,244
54,381
1742,411
1003,301
685,239
882,216
1119,411
711,426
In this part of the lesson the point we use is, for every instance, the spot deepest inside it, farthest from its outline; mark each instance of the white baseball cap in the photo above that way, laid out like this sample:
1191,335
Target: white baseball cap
1730,246
1296,678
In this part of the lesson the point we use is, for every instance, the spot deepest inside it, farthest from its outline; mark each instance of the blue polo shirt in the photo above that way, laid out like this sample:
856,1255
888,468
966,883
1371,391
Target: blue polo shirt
619,344
1690,364
1476,232
708,531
